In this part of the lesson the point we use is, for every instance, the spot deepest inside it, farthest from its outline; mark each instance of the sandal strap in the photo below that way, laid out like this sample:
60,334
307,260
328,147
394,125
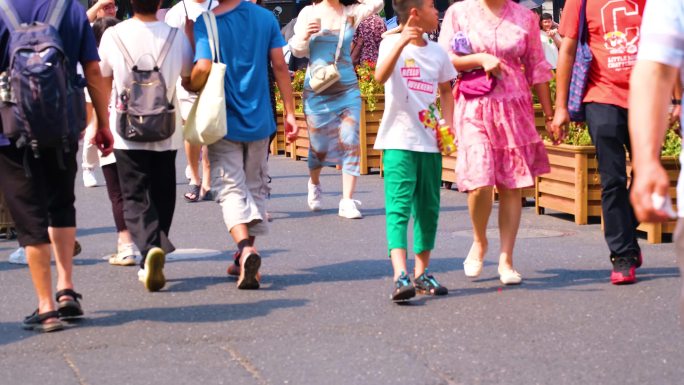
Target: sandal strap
41,317
48,315
69,293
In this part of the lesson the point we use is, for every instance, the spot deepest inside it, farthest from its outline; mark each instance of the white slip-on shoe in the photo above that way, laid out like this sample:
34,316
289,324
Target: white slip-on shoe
472,267
314,196
348,209
510,277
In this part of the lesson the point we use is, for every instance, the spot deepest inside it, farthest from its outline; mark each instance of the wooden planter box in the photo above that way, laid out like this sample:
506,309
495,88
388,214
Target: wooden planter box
539,122
278,143
574,187
299,148
449,170
368,131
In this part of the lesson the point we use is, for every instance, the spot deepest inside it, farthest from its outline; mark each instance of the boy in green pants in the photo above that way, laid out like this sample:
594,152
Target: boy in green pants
414,70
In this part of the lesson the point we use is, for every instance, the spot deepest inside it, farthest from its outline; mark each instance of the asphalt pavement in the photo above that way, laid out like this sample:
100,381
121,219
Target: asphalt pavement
323,315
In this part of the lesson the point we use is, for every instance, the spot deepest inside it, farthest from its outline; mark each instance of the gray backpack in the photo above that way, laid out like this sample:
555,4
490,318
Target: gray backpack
42,105
143,112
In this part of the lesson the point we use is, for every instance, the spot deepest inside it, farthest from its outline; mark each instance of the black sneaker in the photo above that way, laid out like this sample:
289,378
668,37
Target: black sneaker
427,284
404,289
624,269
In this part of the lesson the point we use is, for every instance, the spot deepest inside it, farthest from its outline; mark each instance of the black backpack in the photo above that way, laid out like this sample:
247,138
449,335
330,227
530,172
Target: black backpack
143,112
45,97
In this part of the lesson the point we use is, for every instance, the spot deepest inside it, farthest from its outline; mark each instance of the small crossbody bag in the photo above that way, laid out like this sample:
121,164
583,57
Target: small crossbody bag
324,76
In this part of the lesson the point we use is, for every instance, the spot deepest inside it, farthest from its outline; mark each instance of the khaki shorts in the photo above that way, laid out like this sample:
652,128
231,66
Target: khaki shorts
239,180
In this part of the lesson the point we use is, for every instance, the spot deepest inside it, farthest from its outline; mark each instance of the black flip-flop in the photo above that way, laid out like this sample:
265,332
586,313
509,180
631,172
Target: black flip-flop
193,194
69,308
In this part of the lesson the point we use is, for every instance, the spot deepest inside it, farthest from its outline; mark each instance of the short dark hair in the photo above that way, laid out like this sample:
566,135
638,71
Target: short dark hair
100,26
145,7
546,16
402,8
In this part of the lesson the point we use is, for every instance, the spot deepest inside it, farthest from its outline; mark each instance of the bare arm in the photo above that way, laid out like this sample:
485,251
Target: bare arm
677,109
92,11
198,77
281,74
282,78
649,98
566,59
409,32
384,67
446,100
100,90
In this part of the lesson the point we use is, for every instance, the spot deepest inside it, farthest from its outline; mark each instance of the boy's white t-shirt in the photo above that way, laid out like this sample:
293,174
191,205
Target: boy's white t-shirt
550,49
145,38
175,17
412,88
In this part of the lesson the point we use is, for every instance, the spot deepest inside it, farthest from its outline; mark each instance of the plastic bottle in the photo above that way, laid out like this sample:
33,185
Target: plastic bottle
448,142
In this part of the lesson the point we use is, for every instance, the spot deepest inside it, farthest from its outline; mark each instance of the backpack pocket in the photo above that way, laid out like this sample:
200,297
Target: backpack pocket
146,128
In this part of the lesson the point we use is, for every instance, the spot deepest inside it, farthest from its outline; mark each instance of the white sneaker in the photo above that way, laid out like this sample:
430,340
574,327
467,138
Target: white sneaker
314,197
89,179
349,210
18,257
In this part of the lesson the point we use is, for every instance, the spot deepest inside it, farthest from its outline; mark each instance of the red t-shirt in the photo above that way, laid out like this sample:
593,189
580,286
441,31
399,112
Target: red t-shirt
614,30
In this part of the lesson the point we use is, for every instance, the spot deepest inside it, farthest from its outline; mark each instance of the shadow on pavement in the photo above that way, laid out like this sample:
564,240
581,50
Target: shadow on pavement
197,313
357,270
11,332
565,278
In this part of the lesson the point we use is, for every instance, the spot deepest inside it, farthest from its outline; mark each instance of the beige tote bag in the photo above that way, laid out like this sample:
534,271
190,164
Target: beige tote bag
206,123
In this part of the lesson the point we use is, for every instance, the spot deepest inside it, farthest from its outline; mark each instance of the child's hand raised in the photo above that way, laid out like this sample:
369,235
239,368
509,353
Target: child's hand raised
411,30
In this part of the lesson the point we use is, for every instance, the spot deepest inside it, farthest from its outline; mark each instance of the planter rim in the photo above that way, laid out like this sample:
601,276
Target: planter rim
570,148
590,149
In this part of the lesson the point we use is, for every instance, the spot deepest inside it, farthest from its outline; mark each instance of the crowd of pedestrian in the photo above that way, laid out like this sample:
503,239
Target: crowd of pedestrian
472,88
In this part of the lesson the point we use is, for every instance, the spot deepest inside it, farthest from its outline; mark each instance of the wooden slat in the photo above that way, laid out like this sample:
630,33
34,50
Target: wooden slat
556,188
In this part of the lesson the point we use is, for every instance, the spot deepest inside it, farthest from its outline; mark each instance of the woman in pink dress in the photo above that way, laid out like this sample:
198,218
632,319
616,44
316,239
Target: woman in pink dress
498,144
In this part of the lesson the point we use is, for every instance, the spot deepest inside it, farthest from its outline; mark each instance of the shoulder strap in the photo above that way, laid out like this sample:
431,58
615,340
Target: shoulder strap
583,27
9,15
166,47
127,56
56,13
342,30
212,34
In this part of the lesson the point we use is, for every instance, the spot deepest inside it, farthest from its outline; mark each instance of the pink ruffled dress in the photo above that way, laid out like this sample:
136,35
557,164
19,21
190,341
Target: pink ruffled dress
498,144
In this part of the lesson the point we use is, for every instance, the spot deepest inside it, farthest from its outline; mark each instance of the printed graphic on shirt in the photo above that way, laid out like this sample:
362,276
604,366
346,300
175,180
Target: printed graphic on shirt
410,70
429,117
417,85
621,33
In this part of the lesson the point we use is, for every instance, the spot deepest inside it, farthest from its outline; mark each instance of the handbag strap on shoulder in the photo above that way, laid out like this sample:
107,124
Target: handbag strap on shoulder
212,34
583,28
342,30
